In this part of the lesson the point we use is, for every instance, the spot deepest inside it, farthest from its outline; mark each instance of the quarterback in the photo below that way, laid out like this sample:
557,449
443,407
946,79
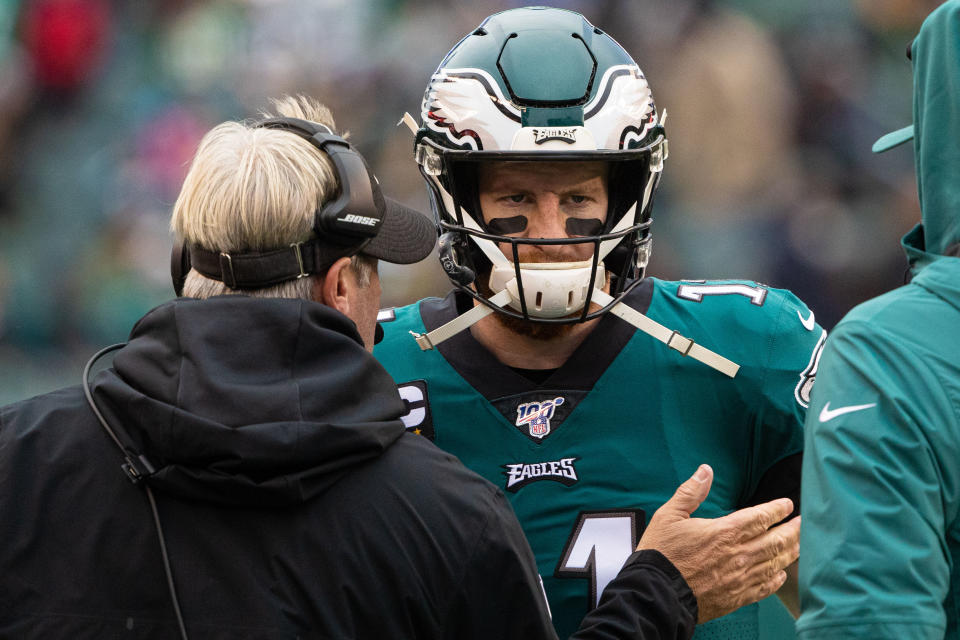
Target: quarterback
555,369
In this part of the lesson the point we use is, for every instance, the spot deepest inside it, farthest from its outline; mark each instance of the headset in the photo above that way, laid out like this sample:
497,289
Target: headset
337,233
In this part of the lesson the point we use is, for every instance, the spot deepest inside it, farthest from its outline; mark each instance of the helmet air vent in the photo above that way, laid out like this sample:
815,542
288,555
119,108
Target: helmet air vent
563,79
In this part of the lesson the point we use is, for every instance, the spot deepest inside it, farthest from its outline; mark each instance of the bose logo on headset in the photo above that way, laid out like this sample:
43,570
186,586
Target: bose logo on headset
358,219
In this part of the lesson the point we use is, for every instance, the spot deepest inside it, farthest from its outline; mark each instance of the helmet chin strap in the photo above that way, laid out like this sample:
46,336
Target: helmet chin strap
683,345
464,321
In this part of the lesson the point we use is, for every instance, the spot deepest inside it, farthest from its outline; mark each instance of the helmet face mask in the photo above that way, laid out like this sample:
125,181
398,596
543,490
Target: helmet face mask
541,85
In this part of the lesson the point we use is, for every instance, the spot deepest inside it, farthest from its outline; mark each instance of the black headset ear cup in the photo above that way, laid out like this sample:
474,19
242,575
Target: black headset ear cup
358,210
179,266
356,214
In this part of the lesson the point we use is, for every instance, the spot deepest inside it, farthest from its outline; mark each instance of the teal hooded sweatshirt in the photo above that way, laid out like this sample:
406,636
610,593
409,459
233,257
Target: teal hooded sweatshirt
880,541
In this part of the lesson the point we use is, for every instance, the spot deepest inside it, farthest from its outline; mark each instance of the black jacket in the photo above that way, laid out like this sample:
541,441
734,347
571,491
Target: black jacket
292,501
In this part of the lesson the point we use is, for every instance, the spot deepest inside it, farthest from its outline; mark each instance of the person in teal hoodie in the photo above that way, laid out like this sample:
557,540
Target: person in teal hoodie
880,544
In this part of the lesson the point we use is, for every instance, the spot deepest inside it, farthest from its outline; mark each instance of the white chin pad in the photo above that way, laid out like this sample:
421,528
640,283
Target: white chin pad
551,289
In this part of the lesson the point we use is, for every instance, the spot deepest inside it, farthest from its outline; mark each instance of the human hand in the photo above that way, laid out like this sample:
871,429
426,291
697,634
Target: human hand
728,562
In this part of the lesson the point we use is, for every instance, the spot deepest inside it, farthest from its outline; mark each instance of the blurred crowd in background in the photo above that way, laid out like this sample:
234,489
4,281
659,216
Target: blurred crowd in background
773,106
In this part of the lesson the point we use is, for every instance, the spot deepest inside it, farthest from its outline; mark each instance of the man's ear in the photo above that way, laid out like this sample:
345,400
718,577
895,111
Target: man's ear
336,288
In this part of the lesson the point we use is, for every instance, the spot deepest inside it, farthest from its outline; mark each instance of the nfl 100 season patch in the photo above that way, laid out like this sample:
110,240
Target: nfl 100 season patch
538,414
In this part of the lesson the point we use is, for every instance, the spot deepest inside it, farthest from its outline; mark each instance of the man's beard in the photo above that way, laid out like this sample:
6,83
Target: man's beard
536,330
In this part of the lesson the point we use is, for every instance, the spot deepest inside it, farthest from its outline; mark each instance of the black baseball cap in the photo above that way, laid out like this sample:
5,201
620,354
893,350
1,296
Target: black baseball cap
405,236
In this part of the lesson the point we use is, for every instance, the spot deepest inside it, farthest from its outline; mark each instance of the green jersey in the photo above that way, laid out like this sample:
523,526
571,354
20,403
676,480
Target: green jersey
589,452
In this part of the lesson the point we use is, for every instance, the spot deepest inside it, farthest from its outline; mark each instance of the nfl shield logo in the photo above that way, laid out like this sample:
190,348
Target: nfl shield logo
537,416
539,427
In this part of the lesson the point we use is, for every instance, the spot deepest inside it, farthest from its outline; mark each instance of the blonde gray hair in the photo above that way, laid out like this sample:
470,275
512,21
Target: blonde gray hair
256,189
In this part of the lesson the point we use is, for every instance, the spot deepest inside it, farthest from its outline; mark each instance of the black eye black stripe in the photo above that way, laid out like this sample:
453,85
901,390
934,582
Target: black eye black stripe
506,226
574,226
584,226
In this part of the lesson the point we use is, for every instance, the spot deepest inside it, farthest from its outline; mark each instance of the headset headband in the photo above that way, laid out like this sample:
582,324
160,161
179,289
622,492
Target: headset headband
342,227
358,210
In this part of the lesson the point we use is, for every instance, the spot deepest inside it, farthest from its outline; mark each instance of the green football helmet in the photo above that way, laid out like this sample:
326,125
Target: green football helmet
541,84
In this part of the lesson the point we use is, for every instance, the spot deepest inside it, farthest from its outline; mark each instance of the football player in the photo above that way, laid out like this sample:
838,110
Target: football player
555,369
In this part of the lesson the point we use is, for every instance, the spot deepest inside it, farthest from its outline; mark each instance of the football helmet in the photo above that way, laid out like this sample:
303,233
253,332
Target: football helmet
541,84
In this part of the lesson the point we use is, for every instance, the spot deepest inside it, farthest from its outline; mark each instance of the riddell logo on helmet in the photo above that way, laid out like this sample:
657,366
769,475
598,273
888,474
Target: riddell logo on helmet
355,219
566,134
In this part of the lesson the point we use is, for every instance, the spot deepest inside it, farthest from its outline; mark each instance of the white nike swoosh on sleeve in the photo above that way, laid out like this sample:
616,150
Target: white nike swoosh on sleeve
806,322
827,414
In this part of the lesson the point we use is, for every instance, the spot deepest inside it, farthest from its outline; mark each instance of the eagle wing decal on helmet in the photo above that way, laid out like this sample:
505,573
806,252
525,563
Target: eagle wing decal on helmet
469,108
623,110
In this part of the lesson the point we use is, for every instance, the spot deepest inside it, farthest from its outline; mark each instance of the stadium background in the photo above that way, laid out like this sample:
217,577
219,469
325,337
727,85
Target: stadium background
773,106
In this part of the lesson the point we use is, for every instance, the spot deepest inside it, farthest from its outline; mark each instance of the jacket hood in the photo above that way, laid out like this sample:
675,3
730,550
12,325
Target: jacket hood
936,119
249,401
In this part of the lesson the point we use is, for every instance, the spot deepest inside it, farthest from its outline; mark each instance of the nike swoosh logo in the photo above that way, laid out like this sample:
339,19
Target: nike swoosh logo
827,414
808,323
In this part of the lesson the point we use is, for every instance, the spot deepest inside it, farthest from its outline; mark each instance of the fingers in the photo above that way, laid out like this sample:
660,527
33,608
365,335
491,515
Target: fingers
753,521
718,604
730,597
772,552
691,494
781,545
767,588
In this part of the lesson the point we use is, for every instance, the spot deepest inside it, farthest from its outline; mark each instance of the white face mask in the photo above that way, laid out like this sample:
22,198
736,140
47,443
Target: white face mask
550,289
